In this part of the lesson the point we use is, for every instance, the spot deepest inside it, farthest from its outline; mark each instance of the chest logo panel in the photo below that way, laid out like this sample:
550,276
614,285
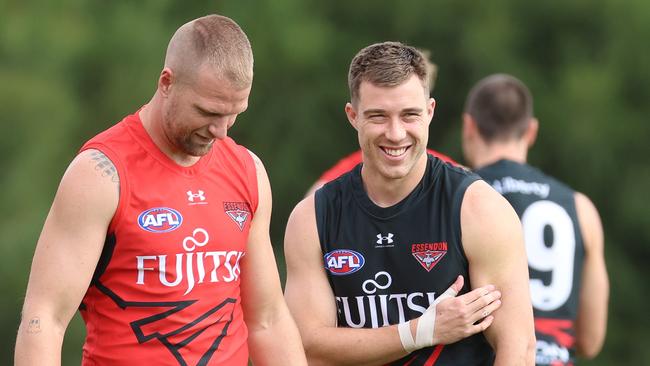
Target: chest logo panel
239,212
160,220
196,198
429,254
341,262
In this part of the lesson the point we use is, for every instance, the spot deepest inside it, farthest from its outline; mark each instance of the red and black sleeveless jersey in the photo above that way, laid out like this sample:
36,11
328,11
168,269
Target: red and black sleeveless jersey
347,163
387,265
555,251
166,290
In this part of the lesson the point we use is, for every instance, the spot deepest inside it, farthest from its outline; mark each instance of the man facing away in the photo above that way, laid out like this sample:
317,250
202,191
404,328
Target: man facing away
562,229
375,258
159,229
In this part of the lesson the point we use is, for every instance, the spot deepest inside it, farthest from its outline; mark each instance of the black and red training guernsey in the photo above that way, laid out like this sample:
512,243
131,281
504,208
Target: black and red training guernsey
350,161
387,265
555,252
166,290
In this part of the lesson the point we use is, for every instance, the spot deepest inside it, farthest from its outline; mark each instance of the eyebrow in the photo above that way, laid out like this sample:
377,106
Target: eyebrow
373,111
382,111
412,110
205,111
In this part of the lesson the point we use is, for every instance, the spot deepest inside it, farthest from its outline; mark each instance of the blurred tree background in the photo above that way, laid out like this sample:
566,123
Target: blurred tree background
71,68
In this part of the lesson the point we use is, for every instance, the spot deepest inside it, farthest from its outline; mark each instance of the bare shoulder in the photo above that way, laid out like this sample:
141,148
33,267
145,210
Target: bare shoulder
91,183
256,159
482,201
585,207
488,222
101,163
92,167
304,210
301,227
263,184
590,224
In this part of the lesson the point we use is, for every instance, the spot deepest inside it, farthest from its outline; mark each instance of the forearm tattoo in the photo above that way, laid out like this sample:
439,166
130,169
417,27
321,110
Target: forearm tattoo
34,325
105,166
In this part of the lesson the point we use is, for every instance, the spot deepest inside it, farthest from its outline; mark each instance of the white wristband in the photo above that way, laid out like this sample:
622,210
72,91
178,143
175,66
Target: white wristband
426,326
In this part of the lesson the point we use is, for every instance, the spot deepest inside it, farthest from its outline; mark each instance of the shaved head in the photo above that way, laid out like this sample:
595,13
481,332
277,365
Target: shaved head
214,40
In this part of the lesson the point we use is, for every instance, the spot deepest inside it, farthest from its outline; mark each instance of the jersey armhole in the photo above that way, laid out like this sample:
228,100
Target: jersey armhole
321,208
457,202
320,211
251,177
123,181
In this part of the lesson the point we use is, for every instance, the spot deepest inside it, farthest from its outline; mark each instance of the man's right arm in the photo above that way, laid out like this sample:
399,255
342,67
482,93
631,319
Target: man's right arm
66,256
591,324
313,306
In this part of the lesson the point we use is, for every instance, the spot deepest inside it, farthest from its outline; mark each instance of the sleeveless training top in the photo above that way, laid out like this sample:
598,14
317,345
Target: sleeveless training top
555,253
166,290
387,265
350,161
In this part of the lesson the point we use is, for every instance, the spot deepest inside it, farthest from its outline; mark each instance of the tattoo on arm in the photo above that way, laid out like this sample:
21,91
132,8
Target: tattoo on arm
105,166
34,325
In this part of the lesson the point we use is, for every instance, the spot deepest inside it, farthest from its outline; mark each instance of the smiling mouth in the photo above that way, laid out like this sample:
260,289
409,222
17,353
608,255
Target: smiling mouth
394,152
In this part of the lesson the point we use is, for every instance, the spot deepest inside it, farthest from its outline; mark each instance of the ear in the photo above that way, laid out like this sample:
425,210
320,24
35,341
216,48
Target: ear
469,127
469,138
352,114
165,81
431,106
531,132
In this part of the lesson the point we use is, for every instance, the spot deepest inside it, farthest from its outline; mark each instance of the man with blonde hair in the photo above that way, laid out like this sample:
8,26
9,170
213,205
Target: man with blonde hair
159,231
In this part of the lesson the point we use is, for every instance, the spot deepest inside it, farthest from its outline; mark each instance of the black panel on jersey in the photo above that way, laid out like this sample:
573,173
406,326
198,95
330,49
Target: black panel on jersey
386,265
104,258
555,252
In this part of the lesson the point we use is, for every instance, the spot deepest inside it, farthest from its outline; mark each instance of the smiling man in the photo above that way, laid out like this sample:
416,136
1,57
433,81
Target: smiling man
376,258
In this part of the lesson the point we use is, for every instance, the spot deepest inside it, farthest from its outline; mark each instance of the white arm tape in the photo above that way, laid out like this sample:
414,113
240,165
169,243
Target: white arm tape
426,326
405,336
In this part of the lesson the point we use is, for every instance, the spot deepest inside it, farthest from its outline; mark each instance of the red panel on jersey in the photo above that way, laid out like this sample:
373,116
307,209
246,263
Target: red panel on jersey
167,287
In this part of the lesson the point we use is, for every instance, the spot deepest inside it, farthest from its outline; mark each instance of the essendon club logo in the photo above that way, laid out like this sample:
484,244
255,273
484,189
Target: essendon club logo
238,212
429,254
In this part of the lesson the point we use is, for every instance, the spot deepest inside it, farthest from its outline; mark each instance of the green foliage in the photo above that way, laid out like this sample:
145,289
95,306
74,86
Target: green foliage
68,70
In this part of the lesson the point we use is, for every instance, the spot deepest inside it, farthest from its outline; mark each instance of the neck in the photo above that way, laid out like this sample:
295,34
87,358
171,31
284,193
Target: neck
152,121
487,154
386,192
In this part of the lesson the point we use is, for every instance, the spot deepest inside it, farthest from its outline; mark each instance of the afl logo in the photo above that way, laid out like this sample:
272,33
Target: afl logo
343,261
160,220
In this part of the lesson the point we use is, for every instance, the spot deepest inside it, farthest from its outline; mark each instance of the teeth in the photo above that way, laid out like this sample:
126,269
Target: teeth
395,152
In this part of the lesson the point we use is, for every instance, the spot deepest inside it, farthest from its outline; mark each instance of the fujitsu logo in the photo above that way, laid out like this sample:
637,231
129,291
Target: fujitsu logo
220,266
377,308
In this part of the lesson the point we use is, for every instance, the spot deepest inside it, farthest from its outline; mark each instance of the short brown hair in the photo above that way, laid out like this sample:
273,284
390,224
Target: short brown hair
386,64
432,68
501,106
214,39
